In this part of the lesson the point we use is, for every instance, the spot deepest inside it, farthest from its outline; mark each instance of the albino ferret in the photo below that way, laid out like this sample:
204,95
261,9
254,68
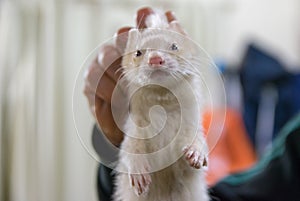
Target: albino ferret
164,150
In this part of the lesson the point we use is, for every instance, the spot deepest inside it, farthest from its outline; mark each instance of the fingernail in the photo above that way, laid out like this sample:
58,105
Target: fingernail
170,16
184,149
123,30
141,17
121,38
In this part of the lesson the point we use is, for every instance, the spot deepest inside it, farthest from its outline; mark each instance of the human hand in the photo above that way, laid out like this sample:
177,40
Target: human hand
108,63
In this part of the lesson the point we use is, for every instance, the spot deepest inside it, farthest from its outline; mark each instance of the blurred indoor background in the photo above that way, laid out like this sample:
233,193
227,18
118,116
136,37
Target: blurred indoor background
44,42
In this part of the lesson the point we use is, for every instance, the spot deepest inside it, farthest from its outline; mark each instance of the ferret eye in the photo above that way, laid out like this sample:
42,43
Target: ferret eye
138,53
174,47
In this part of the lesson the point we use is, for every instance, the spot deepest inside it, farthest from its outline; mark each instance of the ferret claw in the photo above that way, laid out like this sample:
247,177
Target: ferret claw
194,157
140,183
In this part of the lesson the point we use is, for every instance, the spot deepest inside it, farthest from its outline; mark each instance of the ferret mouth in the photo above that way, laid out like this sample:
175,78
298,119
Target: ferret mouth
159,73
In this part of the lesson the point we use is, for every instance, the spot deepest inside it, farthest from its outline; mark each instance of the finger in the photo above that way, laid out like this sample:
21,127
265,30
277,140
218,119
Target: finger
103,114
107,55
121,39
105,88
92,75
114,70
98,82
109,60
106,121
170,16
91,99
174,24
142,16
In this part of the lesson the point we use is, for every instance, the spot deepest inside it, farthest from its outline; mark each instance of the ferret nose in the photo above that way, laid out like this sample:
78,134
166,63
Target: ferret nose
156,61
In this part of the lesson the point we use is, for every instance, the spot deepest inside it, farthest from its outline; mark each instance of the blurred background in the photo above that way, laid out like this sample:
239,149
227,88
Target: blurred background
256,44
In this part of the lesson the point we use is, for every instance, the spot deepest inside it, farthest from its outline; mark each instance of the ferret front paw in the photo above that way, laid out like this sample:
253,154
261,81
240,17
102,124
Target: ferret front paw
140,183
194,157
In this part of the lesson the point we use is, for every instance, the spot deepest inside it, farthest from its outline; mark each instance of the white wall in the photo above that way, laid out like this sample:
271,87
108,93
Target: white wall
224,27
272,23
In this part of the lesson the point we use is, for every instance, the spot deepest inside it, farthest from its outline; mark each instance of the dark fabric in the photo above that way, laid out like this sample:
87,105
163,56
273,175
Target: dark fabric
288,101
105,183
275,178
107,154
258,70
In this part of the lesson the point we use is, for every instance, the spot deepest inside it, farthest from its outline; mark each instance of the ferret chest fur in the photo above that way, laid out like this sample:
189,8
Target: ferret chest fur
158,107
143,101
164,146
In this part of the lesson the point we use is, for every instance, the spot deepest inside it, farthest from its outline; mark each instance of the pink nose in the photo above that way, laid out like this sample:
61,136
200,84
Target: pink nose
156,61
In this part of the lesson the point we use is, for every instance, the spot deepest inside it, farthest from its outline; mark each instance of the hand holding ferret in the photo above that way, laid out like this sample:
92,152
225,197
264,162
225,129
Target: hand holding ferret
99,92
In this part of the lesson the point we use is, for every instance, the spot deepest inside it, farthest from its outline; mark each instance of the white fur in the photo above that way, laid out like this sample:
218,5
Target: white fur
157,20
172,129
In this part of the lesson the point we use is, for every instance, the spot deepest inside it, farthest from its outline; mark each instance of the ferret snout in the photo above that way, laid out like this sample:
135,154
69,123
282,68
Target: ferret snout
156,61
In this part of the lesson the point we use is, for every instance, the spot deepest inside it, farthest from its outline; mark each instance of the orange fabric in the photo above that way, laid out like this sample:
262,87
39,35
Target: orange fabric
233,151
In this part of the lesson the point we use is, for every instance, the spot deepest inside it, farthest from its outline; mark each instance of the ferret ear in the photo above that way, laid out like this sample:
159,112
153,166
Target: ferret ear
133,38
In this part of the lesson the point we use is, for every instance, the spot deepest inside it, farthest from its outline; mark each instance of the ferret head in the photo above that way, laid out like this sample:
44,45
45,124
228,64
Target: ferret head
158,55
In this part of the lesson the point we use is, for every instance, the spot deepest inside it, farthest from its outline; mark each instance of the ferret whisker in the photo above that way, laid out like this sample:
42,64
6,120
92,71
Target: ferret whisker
131,74
172,74
120,69
125,73
178,76
127,70
192,67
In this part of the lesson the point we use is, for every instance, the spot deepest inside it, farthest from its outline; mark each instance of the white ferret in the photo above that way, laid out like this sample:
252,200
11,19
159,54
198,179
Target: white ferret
164,150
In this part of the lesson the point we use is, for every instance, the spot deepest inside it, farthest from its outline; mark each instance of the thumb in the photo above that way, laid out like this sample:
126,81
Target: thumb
121,39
